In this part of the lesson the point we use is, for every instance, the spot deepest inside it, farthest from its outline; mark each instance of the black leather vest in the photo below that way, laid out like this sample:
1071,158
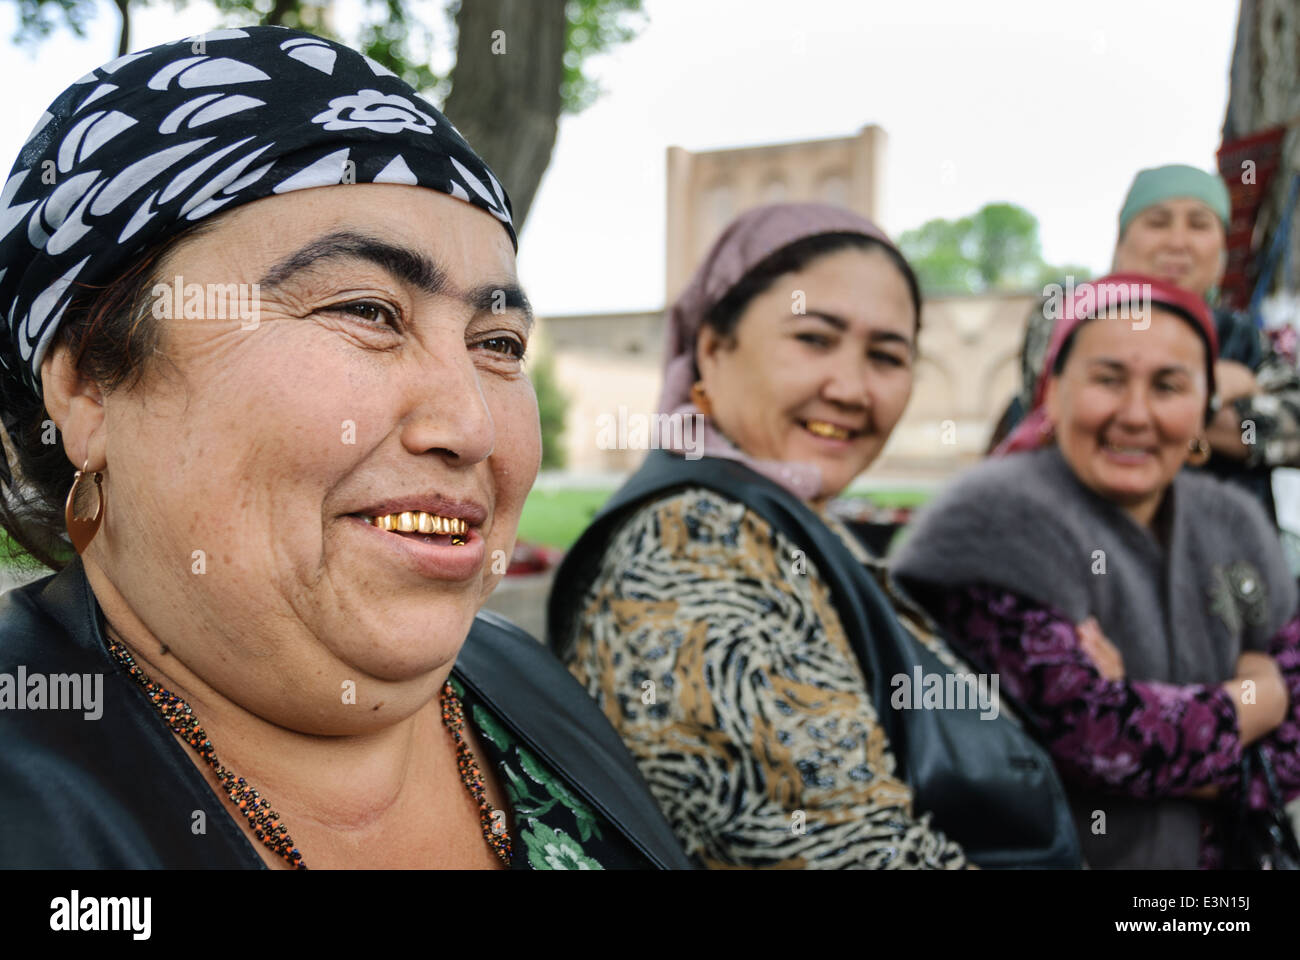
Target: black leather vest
989,785
120,792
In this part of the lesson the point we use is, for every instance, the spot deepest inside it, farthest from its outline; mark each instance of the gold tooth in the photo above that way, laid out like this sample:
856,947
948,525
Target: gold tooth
417,521
823,429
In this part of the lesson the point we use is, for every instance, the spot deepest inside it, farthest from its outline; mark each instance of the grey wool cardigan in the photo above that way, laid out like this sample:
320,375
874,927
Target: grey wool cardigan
1179,612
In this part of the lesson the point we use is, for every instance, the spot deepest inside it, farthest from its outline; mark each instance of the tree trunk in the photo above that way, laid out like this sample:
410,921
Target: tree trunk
1264,91
124,35
505,93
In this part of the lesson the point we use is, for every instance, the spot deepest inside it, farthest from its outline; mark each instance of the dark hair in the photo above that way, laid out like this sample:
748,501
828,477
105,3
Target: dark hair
725,314
112,334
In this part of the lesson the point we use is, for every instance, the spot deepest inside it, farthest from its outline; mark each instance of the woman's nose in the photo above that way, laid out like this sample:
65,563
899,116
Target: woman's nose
1179,236
1135,408
849,384
447,411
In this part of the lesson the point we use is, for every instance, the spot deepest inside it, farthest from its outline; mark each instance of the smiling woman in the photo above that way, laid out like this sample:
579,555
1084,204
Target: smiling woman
740,638
285,524
1140,615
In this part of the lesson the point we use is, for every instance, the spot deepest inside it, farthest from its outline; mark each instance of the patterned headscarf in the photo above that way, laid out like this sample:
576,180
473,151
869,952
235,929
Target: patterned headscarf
746,242
153,141
1131,290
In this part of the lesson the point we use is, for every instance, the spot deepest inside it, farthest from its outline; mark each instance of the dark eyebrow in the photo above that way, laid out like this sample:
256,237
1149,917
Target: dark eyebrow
404,263
486,296
839,323
1118,365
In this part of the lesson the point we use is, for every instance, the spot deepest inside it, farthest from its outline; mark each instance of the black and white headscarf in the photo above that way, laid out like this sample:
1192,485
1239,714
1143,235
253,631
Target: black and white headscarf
151,142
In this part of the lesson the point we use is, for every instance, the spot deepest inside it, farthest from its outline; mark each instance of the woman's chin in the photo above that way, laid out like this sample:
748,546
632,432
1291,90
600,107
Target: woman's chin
403,642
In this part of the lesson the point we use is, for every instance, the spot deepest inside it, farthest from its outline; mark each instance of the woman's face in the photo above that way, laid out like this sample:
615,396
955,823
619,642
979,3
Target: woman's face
1128,404
1180,241
383,374
820,366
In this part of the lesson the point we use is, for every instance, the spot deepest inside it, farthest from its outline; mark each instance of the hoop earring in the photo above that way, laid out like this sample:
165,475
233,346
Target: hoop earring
701,399
81,530
1200,452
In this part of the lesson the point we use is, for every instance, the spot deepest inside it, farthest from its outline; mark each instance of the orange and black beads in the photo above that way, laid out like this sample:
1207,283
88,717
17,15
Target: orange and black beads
265,822
453,717
178,716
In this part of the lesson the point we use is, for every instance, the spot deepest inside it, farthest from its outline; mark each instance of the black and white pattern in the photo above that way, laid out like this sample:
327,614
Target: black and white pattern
152,141
760,742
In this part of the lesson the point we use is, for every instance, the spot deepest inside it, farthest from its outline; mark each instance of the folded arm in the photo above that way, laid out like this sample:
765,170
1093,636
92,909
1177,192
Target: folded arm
1140,739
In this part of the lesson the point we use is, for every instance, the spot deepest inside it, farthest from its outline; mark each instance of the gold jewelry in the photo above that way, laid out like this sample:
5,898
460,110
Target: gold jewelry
1200,452
701,399
82,529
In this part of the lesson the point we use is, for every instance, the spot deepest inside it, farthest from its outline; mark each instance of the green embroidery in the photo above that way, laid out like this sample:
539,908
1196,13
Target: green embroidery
552,849
491,729
548,846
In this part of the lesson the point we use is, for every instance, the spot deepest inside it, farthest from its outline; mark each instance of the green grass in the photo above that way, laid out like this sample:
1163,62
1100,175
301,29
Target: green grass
893,498
555,518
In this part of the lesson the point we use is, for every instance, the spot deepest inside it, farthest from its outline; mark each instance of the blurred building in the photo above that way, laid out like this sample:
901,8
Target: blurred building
706,190
969,364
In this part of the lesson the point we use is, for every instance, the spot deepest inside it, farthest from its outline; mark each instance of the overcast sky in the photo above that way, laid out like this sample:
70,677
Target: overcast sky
1052,106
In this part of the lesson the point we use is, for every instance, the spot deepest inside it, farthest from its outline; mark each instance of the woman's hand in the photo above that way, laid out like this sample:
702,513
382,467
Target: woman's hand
1259,693
1233,380
1103,654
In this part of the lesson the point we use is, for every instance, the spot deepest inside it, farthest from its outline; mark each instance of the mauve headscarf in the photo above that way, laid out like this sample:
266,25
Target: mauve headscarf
1089,300
744,244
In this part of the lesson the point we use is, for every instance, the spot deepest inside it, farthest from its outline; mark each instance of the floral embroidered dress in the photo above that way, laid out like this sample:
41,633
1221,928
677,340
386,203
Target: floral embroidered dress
714,648
551,828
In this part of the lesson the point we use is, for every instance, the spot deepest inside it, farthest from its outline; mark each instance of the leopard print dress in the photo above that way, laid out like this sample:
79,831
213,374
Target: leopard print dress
713,646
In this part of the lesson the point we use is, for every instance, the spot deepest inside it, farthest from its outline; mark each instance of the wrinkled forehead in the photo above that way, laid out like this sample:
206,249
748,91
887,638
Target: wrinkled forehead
1178,206
1155,339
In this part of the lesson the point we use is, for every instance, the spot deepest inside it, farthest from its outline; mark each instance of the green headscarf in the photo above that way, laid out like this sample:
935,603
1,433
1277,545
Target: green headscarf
1174,180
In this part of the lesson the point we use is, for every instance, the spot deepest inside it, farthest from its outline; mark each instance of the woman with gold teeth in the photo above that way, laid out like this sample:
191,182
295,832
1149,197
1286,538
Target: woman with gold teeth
283,534
740,638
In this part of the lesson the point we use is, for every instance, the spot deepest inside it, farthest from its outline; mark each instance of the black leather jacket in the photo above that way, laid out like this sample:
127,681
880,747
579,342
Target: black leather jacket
119,791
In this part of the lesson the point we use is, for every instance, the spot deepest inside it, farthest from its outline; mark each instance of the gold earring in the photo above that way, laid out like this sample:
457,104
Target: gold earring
1200,452
81,530
701,399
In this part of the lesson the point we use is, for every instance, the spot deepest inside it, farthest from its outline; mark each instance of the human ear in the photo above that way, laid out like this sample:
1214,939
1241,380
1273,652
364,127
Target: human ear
1052,399
708,344
76,405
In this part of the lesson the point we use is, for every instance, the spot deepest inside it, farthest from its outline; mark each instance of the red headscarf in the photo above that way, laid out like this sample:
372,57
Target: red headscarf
1135,291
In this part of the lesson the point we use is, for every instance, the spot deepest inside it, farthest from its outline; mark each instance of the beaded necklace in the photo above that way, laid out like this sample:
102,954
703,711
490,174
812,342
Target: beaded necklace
256,809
